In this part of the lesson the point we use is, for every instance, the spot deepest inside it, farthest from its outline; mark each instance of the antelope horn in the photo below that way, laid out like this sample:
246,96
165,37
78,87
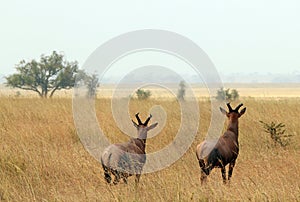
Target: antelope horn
238,107
148,119
138,118
229,107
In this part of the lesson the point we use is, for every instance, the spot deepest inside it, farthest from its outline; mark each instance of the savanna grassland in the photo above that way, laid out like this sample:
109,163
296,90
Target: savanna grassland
42,158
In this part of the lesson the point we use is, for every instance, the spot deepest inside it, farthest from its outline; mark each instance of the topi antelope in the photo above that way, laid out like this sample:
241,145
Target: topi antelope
225,151
126,159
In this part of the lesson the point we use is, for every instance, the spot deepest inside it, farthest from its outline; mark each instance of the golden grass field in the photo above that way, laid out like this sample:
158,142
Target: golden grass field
42,158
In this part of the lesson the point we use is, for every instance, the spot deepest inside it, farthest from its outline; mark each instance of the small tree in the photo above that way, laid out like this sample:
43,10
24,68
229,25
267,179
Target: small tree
181,90
276,132
234,94
93,84
90,81
142,94
44,77
227,95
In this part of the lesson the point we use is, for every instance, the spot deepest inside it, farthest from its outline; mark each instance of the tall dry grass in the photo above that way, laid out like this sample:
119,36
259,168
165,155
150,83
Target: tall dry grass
42,158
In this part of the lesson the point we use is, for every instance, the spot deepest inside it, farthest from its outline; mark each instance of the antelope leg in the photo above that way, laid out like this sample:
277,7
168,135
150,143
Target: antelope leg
117,178
137,178
223,170
231,166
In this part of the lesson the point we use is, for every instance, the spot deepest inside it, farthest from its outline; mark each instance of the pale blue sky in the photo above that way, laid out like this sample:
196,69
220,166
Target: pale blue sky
239,36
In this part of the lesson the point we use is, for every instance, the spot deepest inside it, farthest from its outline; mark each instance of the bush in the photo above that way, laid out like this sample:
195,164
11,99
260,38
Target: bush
276,132
142,94
227,95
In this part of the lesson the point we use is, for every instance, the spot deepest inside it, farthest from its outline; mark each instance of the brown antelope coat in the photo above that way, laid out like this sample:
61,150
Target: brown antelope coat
225,151
126,159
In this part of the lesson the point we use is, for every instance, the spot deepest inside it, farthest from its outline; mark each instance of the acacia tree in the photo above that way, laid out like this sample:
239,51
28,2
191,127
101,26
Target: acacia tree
46,76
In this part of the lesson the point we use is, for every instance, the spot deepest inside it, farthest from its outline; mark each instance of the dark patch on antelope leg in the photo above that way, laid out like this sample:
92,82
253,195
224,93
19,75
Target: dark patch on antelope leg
125,176
214,158
107,176
201,163
203,177
202,166
117,177
125,180
231,166
223,170
137,178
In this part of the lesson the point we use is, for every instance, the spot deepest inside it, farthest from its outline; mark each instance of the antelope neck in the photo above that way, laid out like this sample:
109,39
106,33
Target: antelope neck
142,138
142,144
142,135
234,127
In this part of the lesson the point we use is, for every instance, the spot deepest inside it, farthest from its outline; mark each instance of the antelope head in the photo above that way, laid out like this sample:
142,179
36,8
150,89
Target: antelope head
143,128
233,114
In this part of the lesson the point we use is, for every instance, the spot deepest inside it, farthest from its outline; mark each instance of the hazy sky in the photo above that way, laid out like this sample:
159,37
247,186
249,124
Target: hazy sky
239,36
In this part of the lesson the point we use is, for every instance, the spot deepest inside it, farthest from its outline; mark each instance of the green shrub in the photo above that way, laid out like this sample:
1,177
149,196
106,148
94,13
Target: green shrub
276,132
143,94
227,95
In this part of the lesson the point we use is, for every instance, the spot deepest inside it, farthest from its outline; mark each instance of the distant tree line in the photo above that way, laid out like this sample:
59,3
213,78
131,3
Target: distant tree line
52,73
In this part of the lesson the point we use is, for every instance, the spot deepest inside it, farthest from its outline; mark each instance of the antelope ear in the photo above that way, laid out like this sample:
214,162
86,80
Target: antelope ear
242,112
223,111
152,126
135,124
